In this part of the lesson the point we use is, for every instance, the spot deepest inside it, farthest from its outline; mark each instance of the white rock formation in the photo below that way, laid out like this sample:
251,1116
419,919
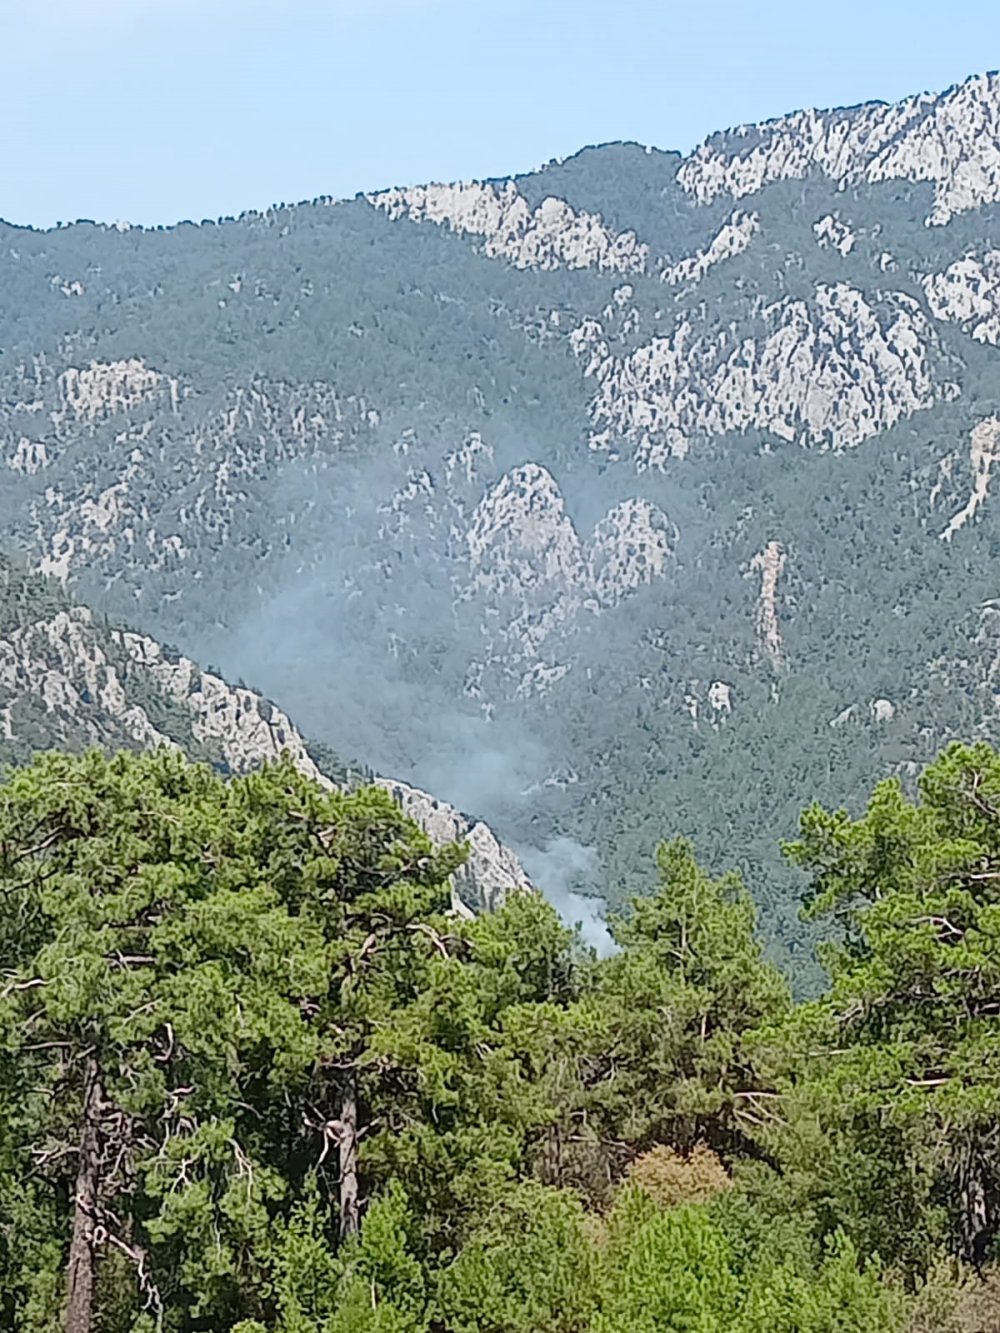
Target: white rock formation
833,372
102,388
62,664
984,451
492,870
515,555
882,710
986,643
769,563
551,236
213,459
951,139
520,534
527,563
74,670
720,697
632,545
520,538
833,234
968,293
731,239
29,456
245,728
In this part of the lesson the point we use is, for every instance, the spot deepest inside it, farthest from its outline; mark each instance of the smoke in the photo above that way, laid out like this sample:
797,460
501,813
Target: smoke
368,650
481,768
561,869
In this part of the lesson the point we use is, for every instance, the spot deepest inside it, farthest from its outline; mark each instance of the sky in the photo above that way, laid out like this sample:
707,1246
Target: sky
153,111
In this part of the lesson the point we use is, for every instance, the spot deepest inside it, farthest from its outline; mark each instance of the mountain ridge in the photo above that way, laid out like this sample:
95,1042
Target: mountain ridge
583,498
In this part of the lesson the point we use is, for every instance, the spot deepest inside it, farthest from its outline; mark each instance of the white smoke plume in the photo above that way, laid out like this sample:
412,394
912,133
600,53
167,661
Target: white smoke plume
561,869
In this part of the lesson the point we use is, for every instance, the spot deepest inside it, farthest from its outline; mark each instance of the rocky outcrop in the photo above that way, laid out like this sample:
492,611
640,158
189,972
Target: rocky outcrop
62,667
831,233
632,545
245,728
91,392
520,535
551,236
517,558
769,564
528,564
951,139
967,293
708,701
146,426
831,372
984,451
729,241
87,685
492,870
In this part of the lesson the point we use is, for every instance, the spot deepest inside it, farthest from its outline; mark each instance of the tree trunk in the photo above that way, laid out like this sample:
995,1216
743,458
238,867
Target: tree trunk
348,1144
80,1293
977,1227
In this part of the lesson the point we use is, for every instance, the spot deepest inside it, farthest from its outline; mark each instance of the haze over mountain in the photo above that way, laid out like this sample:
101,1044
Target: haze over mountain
635,496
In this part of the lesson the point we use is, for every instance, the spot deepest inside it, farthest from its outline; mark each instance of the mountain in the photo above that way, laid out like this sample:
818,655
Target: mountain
636,495
70,680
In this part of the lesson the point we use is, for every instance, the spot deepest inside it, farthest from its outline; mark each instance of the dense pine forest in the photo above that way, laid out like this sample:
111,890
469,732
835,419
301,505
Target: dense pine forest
258,1077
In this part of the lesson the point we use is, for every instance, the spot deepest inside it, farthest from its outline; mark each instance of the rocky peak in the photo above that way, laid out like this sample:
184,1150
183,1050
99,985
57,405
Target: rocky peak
951,139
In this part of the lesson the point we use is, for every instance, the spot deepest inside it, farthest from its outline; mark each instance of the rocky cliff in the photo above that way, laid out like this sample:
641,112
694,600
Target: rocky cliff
948,139
69,680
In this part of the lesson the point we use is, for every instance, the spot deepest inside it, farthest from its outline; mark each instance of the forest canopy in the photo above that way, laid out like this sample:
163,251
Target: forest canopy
258,1077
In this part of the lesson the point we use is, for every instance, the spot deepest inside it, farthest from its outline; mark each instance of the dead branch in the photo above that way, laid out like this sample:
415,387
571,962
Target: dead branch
22,985
432,935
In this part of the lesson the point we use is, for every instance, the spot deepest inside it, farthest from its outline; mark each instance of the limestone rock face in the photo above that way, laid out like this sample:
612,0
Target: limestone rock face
951,139
832,233
100,389
632,545
729,241
518,562
967,293
769,564
984,451
520,534
147,426
492,871
91,686
529,565
551,236
60,667
244,727
832,372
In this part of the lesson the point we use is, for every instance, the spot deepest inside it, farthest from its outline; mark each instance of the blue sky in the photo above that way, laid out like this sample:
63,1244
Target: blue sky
160,110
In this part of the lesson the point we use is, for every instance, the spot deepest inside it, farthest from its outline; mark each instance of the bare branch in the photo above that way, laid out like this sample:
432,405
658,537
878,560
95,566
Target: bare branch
433,936
24,853
22,985
941,922
163,1059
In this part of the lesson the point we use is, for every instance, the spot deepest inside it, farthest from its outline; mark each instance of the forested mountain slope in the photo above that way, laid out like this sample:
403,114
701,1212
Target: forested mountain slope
641,494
